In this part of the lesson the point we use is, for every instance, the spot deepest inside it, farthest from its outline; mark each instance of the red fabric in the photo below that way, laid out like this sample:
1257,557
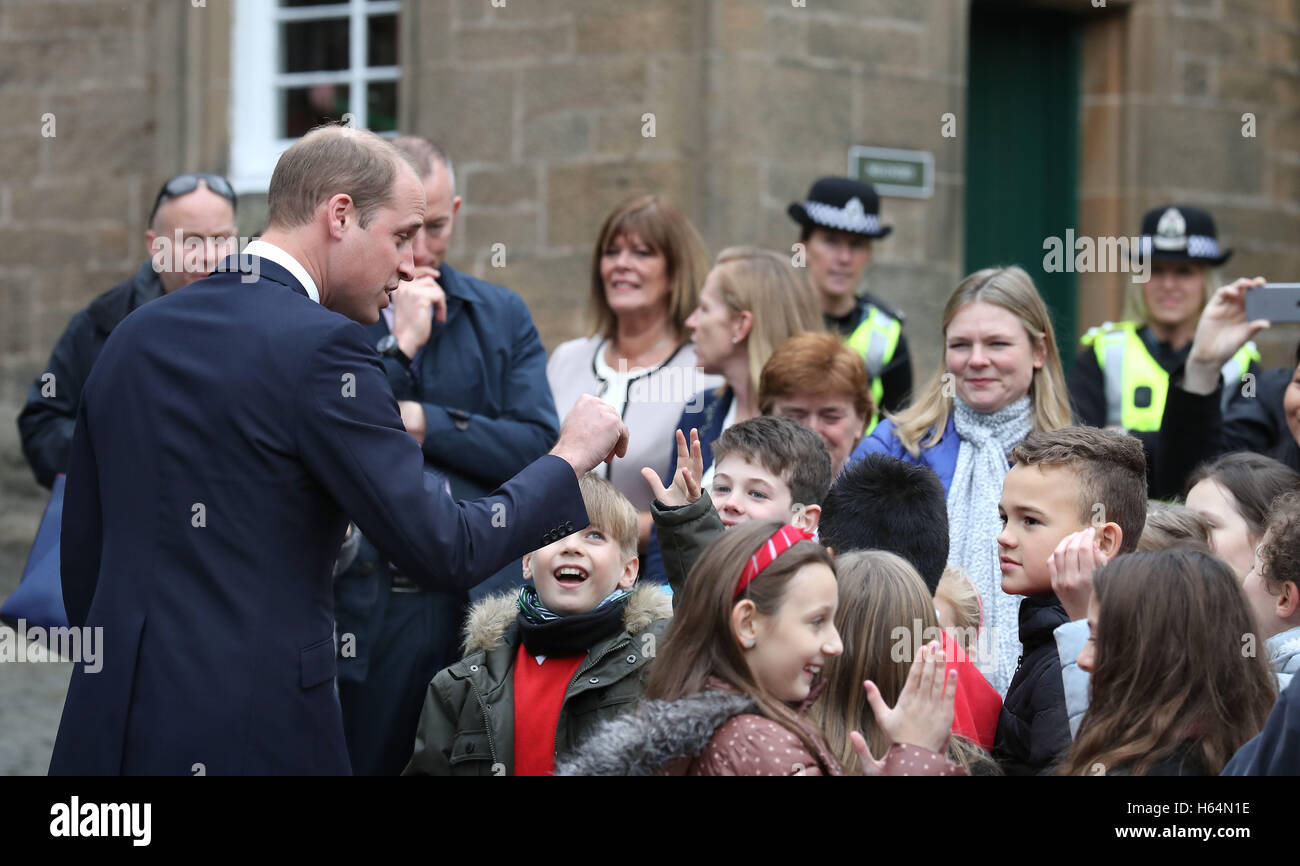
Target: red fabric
539,696
779,542
978,704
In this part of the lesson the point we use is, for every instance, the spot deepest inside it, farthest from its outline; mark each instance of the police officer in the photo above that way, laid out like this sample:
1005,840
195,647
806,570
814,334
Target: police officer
839,219
1121,375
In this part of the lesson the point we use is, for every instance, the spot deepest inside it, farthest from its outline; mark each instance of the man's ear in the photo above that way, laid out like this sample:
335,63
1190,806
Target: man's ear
1289,601
631,569
528,566
806,517
339,212
152,241
455,206
743,624
1109,538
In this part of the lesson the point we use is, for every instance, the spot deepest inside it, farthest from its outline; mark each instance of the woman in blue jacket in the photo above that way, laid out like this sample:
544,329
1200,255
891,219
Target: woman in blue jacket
1000,380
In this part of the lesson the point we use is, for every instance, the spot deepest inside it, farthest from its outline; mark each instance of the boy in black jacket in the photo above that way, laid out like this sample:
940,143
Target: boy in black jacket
1063,481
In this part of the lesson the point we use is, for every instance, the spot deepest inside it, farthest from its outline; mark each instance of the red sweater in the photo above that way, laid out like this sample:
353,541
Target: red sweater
978,704
539,697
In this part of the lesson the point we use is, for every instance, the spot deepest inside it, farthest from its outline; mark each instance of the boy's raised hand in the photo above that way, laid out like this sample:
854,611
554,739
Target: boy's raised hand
923,715
1072,566
685,488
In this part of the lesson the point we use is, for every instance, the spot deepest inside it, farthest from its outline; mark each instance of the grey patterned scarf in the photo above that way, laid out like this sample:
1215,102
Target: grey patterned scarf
974,525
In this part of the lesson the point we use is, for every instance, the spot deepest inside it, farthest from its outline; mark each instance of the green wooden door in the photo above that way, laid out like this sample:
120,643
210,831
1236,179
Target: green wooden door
1022,146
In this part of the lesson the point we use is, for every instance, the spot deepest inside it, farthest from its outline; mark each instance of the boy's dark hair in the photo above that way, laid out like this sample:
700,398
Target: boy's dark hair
882,503
788,450
1111,468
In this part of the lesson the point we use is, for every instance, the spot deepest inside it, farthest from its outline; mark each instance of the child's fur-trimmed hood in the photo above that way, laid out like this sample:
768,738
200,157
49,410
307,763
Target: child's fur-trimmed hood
489,620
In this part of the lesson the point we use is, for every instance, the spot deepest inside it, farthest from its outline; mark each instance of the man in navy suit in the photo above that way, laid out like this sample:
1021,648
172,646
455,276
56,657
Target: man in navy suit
225,435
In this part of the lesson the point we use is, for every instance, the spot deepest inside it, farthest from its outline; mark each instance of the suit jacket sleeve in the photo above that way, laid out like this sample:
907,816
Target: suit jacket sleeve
350,437
494,448
46,423
82,531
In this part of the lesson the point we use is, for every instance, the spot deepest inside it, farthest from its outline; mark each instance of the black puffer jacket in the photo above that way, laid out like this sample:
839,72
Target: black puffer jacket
1034,728
48,418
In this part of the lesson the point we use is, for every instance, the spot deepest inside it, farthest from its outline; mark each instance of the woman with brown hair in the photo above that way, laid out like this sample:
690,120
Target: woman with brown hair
646,272
740,665
1173,692
884,616
1234,495
817,381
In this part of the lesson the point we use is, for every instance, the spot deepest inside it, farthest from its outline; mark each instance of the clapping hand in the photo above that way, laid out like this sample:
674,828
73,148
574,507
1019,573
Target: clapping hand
923,715
685,488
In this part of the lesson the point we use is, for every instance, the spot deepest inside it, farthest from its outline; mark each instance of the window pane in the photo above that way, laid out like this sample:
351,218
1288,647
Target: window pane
382,48
382,106
308,107
312,46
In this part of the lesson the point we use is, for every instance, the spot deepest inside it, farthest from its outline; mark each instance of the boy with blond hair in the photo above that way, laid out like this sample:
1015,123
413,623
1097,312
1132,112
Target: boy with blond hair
541,669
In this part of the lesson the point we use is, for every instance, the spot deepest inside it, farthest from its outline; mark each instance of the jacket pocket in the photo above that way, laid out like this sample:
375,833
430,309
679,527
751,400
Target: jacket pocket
319,663
470,746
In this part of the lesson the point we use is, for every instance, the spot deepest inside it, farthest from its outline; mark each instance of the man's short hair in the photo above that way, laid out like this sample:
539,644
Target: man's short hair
325,162
425,155
788,450
610,511
1111,470
883,503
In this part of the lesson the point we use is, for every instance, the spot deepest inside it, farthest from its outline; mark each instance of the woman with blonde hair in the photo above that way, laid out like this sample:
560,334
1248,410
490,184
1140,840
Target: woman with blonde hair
999,380
752,301
646,273
885,615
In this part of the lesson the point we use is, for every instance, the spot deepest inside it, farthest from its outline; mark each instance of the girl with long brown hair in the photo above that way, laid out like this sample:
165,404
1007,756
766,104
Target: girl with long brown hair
741,664
884,615
1173,690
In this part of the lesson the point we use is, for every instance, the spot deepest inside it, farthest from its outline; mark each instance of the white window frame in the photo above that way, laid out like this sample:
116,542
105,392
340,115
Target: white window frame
255,82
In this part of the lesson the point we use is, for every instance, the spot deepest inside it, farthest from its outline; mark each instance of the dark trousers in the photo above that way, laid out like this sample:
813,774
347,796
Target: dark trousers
419,636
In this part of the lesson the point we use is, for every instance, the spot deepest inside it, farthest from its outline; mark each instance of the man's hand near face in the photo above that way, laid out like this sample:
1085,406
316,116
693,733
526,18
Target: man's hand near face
414,305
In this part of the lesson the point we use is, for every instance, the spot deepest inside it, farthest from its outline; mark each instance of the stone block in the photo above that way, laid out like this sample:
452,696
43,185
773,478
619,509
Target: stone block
580,196
500,187
584,84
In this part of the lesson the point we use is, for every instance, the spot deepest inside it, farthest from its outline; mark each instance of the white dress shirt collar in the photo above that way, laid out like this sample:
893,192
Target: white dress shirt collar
262,249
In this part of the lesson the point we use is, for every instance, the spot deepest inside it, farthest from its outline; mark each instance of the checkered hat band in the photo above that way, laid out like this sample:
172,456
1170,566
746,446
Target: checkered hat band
1198,246
836,218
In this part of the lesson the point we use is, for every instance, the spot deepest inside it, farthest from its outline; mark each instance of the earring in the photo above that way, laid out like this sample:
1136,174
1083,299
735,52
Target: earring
749,644
734,341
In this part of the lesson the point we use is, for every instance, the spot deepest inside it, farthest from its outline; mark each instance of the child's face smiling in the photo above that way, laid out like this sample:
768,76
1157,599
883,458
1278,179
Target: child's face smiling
576,573
791,646
747,491
1039,507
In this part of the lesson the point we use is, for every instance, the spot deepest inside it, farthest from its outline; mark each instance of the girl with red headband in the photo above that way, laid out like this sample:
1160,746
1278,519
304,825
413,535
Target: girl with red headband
740,666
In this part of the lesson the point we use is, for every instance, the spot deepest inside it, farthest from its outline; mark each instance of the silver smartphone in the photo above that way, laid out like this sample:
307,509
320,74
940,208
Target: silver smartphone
1277,302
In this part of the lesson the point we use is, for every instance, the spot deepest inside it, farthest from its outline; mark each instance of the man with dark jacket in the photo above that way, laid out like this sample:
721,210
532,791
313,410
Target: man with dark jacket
468,369
192,227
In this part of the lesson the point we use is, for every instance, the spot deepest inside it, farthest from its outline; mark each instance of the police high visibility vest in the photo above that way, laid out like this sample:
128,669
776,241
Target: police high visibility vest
875,339
1136,386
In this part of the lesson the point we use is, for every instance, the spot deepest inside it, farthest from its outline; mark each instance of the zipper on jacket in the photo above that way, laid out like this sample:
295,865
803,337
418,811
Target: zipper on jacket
593,662
487,722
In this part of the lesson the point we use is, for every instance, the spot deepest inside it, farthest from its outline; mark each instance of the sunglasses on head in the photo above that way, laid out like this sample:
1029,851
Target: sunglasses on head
182,184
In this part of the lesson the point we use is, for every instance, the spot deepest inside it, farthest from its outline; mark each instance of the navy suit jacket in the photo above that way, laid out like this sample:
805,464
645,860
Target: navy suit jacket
225,435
